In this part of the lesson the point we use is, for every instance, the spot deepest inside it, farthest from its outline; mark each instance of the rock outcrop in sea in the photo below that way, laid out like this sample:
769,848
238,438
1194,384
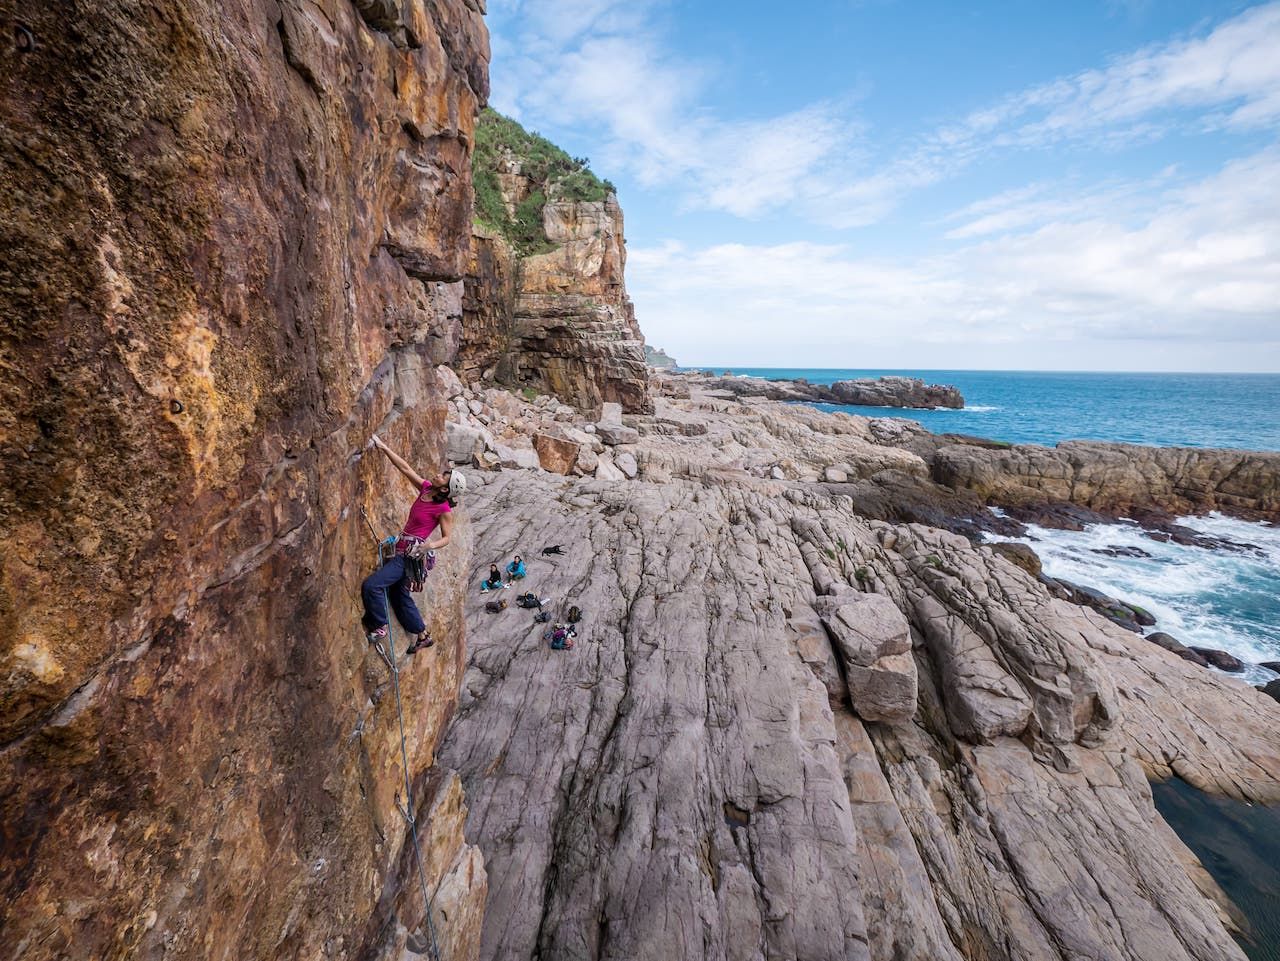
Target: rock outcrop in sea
546,304
889,391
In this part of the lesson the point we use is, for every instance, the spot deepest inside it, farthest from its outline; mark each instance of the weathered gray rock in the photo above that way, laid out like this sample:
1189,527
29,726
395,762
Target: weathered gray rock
587,462
873,642
520,458
834,475
606,470
695,757
626,462
462,442
617,434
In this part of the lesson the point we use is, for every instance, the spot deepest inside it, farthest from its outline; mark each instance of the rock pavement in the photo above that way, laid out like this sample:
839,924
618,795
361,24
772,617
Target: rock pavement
789,730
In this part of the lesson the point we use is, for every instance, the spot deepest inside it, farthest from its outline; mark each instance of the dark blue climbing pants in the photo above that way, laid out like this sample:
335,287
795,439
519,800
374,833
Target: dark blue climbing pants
391,578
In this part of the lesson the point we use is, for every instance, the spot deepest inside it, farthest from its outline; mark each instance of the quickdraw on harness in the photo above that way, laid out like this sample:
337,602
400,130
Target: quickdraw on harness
387,549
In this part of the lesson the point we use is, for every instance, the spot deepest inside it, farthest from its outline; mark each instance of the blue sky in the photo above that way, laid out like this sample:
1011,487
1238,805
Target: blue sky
871,183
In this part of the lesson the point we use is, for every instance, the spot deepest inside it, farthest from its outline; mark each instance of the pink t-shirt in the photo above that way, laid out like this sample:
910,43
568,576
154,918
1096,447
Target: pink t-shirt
425,514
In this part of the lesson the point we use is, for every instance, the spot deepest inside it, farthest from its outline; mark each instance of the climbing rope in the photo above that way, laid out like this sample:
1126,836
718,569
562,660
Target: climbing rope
407,811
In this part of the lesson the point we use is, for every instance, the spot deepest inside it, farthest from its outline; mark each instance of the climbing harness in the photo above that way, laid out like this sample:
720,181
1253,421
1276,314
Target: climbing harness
386,549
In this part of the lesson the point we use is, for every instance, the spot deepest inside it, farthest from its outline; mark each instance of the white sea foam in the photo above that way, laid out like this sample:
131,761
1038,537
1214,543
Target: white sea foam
1204,597
979,408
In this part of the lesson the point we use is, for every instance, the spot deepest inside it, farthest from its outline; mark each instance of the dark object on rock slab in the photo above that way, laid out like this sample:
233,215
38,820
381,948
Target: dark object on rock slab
1020,555
1170,643
1142,615
1271,689
1056,588
1129,616
1220,659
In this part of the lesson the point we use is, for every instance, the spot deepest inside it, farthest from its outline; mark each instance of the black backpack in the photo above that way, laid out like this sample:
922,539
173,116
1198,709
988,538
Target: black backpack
574,615
528,600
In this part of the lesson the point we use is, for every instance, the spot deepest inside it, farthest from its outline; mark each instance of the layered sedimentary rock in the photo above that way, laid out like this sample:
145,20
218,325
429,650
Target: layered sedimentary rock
557,321
235,237
731,763
1114,478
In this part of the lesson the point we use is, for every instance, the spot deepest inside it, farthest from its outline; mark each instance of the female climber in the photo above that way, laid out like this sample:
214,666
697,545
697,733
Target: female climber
392,581
516,569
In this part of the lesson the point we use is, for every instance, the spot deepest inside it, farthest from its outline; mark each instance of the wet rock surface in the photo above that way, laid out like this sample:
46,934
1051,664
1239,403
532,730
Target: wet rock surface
705,752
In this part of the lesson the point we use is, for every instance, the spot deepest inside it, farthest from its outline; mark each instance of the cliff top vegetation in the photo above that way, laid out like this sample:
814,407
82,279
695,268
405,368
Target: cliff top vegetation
553,175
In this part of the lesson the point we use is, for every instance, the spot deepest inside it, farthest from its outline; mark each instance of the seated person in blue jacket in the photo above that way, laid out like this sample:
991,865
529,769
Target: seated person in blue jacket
515,569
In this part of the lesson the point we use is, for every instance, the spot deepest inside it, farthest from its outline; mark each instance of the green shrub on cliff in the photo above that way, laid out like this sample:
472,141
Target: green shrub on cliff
554,174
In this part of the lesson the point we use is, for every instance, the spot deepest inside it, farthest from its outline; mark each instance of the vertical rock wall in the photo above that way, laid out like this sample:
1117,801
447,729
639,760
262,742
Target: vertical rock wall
560,321
235,235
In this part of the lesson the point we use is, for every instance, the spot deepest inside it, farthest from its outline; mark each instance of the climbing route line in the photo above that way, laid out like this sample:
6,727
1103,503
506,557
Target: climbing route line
407,810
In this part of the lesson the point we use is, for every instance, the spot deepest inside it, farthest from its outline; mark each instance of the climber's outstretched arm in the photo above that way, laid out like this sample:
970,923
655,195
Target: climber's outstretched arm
402,465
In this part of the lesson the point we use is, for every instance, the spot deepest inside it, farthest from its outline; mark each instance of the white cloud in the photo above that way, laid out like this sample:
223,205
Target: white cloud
600,63
1231,76
1198,269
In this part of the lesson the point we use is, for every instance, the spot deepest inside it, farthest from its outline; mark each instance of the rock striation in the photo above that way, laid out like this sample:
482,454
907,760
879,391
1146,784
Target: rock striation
789,729
235,238
1116,478
554,317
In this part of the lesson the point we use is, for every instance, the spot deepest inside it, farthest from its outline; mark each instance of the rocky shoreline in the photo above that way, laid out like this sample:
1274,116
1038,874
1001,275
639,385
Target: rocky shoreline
810,713
810,708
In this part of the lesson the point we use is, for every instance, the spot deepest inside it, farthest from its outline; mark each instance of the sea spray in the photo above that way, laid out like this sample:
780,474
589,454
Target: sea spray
1206,597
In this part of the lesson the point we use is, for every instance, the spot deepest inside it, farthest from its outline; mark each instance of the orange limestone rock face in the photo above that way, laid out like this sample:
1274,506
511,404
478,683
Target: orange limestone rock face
235,235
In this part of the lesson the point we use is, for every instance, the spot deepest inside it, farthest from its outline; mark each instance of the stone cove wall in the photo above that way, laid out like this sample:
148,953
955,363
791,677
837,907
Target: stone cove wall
797,723
235,237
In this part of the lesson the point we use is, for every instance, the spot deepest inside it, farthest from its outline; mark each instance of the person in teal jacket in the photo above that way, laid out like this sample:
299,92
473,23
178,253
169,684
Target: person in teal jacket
516,569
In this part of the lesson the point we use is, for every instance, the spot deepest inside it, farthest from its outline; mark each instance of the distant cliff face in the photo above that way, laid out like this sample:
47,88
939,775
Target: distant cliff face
235,236
546,303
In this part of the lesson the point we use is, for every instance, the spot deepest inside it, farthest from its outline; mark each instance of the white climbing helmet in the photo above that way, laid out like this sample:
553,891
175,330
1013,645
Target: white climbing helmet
457,483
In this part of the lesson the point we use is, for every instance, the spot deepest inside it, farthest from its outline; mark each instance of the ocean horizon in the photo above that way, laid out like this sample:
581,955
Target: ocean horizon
1047,407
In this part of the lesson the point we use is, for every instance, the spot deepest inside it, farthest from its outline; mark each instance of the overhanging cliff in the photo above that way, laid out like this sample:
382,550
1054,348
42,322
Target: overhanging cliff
546,303
235,236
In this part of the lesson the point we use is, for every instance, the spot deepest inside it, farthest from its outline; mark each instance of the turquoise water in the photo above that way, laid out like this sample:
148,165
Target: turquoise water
1239,844
1023,407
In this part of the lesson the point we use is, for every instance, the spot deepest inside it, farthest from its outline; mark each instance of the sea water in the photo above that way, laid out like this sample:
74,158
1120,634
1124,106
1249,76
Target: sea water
1209,598
1022,407
1229,600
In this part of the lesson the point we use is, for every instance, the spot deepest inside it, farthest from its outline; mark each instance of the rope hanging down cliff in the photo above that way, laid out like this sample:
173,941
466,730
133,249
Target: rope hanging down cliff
407,810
